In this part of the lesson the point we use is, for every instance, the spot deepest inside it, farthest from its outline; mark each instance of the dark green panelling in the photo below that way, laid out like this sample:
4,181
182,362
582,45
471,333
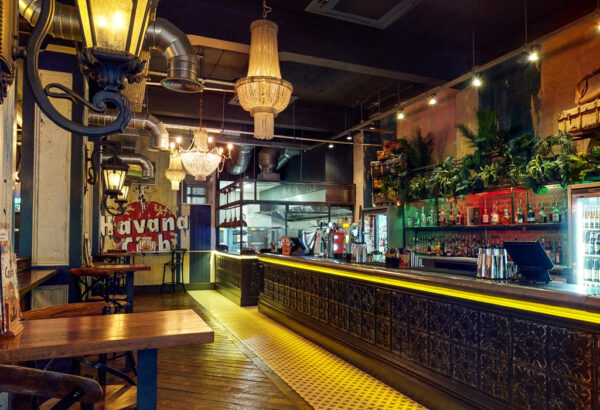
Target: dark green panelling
395,227
510,89
199,267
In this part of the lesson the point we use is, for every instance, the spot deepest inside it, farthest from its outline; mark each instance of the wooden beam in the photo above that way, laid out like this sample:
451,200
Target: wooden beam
201,41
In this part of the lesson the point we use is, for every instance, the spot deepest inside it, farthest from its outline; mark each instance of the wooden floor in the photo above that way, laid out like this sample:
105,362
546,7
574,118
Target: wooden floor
221,375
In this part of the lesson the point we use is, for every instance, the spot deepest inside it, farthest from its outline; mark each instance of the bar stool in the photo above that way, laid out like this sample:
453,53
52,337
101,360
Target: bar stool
175,264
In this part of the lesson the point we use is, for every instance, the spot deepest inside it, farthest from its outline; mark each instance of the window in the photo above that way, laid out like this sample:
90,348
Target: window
195,195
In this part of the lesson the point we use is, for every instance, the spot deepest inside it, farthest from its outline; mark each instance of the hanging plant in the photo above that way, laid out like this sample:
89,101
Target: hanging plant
418,188
448,179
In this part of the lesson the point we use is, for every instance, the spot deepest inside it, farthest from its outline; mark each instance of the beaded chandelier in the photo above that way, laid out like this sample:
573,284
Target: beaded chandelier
199,161
262,92
175,173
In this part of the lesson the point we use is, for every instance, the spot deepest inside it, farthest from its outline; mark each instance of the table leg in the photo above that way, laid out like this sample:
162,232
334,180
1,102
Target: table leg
147,379
129,279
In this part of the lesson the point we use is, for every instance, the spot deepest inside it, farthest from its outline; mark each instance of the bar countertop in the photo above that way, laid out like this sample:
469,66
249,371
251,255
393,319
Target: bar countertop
567,300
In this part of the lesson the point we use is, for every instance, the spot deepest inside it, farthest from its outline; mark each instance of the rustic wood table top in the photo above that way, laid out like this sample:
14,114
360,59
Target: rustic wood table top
89,335
29,279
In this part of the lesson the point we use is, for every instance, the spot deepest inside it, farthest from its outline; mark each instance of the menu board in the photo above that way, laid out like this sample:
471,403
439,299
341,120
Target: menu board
10,310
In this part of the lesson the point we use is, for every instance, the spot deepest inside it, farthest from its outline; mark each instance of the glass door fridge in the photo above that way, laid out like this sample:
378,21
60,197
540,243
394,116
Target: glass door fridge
584,233
376,230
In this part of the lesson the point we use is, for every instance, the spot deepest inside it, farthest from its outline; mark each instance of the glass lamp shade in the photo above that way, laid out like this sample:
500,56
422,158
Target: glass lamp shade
114,178
199,161
114,25
123,193
175,173
263,93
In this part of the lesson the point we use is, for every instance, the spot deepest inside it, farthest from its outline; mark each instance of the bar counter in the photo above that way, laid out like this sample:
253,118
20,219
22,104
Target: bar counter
478,343
238,277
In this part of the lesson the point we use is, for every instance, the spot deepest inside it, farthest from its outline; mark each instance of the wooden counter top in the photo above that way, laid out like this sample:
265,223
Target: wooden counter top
80,336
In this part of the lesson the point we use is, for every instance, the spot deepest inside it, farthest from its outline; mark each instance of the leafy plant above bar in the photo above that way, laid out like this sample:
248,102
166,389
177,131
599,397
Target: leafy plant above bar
501,157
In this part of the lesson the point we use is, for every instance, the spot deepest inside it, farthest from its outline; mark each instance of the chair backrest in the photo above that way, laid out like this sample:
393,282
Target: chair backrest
44,383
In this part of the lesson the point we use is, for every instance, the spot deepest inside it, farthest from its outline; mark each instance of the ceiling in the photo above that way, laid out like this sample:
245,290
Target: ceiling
357,53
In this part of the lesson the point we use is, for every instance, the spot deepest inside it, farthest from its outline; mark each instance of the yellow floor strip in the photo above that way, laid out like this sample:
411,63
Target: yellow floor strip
324,380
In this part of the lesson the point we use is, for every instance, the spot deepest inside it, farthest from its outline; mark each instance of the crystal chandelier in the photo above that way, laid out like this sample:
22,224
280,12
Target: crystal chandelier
262,92
199,161
175,173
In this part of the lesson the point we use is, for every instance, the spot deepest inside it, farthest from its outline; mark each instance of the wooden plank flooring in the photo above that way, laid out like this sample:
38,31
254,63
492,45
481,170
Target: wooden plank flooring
221,375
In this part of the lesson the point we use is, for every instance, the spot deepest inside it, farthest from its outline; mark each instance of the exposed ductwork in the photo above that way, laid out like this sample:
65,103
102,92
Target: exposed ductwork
162,35
145,163
182,60
139,121
240,159
267,162
286,156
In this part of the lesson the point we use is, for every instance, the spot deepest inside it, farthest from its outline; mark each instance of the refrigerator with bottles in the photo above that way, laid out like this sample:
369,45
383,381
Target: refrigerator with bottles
584,233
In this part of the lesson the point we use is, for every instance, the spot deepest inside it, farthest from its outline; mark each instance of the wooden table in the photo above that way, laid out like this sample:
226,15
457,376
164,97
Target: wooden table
111,268
29,279
91,335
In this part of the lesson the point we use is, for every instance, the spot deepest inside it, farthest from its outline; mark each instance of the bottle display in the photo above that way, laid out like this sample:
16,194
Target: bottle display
519,217
530,214
495,217
485,218
542,215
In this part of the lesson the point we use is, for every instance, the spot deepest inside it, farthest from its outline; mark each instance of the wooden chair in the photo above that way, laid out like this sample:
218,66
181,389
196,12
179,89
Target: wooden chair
68,389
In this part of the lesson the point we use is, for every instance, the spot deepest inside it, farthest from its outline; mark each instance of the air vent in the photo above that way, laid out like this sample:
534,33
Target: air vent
379,14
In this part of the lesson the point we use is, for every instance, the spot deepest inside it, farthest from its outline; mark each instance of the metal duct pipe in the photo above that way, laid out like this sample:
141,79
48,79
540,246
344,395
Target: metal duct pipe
286,156
267,162
162,35
139,121
182,60
145,163
65,24
240,159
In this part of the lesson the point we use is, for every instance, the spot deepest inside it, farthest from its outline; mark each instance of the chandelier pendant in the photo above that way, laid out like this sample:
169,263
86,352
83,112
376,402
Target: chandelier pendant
199,161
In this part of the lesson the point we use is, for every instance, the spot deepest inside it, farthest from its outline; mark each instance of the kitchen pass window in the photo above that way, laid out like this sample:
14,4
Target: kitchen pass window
195,194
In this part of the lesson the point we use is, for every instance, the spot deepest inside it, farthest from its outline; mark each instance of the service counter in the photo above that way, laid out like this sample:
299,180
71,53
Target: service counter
478,343
238,277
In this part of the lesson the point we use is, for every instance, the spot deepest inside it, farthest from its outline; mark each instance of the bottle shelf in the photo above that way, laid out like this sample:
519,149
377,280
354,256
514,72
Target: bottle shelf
537,226
589,255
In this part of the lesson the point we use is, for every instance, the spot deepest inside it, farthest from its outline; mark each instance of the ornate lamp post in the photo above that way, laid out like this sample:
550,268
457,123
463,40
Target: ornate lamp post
113,32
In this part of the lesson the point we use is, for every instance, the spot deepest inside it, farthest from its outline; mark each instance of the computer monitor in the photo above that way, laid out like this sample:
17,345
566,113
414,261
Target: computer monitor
531,259
299,248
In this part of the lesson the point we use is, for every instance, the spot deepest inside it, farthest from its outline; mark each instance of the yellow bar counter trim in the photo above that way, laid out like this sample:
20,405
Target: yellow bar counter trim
229,255
535,307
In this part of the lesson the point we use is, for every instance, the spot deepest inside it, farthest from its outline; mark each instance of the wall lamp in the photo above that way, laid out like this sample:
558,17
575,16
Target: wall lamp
113,33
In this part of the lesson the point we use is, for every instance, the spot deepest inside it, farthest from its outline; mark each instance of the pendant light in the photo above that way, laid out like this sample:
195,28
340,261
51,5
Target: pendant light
263,92
175,173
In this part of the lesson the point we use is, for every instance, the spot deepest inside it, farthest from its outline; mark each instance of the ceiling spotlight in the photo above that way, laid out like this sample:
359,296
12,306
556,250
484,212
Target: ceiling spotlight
229,147
432,100
598,26
172,145
210,140
349,137
477,81
372,126
533,56
178,140
330,146
400,115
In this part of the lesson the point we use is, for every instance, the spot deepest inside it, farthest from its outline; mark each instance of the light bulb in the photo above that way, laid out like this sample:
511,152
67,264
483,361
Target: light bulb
432,100
330,146
477,81
229,147
349,137
220,150
533,56
210,140
172,145
400,115
178,140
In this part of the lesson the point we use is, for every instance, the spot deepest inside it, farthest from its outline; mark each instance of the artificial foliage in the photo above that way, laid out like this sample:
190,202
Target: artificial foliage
499,157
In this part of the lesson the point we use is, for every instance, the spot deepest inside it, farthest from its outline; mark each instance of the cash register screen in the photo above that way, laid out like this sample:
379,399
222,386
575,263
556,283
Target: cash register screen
531,258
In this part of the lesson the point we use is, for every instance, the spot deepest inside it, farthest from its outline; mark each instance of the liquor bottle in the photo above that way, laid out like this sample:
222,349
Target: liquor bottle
430,218
597,218
459,218
519,217
557,252
416,219
587,271
452,219
597,245
442,217
592,244
495,217
596,271
485,218
543,218
506,217
586,241
530,214
423,217
586,219
555,213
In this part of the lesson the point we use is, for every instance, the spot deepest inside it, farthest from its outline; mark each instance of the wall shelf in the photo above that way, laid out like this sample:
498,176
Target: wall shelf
530,226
